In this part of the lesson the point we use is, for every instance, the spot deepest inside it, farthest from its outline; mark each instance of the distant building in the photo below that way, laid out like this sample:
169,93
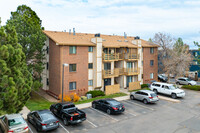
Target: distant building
195,66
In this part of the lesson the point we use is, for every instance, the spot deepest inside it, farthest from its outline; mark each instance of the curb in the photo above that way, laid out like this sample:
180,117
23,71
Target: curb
169,99
86,105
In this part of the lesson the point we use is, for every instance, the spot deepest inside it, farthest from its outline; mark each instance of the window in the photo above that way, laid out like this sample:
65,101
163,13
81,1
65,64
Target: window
151,76
90,82
196,63
142,63
72,85
47,65
195,54
142,49
90,66
90,49
151,50
47,81
151,62
72,67
72,49
47,49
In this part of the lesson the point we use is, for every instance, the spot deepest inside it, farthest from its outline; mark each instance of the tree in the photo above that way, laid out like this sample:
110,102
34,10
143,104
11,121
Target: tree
166,42
30,37
15,79
180,59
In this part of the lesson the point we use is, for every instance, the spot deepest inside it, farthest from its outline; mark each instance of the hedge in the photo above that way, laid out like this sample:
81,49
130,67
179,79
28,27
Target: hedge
144,86
96,93
194,87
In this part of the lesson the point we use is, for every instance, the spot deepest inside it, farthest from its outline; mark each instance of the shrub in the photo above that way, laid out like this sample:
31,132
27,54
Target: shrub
194,87
73,97
96,93
83,98
144,86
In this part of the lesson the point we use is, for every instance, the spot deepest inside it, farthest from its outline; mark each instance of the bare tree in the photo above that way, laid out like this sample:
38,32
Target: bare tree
166,42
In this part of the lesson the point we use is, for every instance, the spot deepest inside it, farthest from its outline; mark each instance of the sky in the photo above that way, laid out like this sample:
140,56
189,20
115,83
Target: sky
144,18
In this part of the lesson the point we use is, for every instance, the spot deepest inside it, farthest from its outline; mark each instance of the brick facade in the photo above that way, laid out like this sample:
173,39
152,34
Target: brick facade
147,68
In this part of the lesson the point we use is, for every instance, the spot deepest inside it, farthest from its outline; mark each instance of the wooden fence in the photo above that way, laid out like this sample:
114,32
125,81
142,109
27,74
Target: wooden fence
111,89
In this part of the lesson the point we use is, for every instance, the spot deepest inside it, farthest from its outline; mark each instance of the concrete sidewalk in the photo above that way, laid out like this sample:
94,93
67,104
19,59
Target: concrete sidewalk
24,112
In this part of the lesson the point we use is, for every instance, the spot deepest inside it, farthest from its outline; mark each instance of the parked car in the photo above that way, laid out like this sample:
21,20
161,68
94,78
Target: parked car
43,120
185,81
68,113
168,89
162,78
110,106
146,96
13,123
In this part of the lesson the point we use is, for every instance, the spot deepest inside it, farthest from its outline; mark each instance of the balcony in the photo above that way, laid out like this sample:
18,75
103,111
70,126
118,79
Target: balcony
131,71
111,73
111,57
129,56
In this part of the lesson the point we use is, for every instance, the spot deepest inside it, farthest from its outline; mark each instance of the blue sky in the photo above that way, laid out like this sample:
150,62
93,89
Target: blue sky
143,18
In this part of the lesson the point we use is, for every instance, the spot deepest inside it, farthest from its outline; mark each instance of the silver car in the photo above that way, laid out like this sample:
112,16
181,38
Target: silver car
13,123
146,96
185,81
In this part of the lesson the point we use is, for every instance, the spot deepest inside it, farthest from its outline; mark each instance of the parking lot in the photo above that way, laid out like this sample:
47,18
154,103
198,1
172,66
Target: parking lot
164,116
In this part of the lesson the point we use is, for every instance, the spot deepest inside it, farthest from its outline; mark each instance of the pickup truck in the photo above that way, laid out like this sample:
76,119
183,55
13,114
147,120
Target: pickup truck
68,113
167,89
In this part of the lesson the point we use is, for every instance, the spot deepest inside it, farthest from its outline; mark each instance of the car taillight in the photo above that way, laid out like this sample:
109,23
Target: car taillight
57,121
43,124
26,128
157,96
123,106
71,118
150,97
10,131
114,108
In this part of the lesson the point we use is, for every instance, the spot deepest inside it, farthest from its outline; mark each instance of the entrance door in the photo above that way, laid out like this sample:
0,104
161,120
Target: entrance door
107,82
128,79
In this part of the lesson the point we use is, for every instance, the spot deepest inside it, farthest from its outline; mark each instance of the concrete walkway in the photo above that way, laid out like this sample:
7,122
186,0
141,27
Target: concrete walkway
24,112
43,94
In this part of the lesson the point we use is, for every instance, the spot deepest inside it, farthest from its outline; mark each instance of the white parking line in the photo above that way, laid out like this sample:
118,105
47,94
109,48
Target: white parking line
92,123
130,113
30,129
140,105
64,128
104,114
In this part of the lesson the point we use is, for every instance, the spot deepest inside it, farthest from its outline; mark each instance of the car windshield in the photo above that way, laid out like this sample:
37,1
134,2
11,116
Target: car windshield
188,79
113,103
172,87
153,95
16,121
47,116
68,106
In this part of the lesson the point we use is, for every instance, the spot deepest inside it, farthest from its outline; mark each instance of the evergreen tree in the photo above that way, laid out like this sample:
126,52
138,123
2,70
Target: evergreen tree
15,79
30,37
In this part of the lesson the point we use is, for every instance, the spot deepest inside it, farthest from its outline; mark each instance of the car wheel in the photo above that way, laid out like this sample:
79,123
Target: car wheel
189,84
65,121
177,83
174,96
108,111
94,106
145,101
132,97
155,91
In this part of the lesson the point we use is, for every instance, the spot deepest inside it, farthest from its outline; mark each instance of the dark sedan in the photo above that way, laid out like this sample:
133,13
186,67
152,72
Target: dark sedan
110,106
43,120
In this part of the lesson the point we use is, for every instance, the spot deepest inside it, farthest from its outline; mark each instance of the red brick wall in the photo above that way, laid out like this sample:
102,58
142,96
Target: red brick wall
54,65
147,69
81,74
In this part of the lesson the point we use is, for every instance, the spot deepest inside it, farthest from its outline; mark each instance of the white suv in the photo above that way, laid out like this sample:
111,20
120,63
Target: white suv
168,89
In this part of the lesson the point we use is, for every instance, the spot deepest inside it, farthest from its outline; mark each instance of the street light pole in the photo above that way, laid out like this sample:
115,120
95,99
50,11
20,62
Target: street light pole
63,79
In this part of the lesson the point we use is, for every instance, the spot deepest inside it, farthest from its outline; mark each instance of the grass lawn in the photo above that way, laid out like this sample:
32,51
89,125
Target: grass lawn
192,87
102,97
36,102
139,89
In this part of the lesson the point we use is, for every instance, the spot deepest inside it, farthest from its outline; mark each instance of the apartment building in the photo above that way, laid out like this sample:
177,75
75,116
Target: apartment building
95,61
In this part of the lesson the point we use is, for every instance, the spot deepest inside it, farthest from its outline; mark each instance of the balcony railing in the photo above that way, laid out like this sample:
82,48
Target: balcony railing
120,71
118,56
111,73
131,71
107,57
131,56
